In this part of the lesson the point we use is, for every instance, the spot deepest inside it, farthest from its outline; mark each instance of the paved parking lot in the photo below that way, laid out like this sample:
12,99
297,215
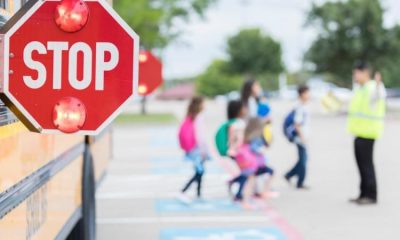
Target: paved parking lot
137,198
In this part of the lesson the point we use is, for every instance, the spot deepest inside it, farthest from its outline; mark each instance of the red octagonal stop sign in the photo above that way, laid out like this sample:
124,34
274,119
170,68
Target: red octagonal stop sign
68,81
150,75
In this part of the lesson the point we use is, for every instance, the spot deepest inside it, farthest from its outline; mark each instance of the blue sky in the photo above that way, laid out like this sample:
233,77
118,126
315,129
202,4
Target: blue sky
205,40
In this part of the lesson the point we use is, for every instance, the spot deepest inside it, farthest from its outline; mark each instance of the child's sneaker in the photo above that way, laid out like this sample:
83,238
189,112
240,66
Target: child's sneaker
271,195
200,200
248,206
230,193
184,199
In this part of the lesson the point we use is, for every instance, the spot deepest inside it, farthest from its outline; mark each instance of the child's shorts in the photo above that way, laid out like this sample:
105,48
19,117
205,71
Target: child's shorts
195,157
248,172
264,170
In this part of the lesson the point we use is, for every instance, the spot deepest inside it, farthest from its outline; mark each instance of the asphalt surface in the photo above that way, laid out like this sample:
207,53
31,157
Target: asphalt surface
137,198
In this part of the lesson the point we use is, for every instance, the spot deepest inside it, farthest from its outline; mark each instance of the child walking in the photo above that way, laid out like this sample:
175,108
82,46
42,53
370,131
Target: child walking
297,131
237,112
251,161
194,146
255,137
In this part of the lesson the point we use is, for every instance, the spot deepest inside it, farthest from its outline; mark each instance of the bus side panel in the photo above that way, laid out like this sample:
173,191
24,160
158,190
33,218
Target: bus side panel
101,152
24,153
64,142
46,211
21,155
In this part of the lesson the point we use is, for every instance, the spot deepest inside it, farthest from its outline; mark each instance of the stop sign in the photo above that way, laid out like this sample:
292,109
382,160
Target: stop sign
150,75
61,77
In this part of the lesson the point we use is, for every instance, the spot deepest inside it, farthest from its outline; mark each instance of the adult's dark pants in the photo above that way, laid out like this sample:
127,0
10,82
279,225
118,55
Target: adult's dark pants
364,152
300,168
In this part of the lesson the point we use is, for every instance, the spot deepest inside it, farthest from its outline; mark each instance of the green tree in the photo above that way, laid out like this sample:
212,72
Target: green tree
155,20
349,31
217,80
252,52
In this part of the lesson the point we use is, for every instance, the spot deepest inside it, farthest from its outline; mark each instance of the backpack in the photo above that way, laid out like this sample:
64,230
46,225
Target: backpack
267,135
264,110
246,159
222,138
289,129
187,135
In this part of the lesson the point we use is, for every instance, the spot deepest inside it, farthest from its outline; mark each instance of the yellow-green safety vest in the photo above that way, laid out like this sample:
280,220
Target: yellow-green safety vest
366,120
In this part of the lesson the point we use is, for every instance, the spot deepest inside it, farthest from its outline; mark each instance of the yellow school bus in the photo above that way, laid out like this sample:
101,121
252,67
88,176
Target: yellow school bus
47,182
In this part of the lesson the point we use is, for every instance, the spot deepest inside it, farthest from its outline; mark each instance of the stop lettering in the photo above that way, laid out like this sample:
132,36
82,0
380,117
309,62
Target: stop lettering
68,68
100,65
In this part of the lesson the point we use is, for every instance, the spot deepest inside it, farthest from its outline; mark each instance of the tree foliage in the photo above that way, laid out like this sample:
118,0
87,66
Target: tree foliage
252,52
349,31
217,80
155,20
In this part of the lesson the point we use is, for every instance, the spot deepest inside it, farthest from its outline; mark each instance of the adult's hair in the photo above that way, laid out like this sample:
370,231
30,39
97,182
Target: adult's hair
234,109
247,90
361,65
302,89
195,106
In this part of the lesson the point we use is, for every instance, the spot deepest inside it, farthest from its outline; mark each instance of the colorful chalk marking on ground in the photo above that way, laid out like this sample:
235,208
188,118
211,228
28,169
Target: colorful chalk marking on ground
164,143
172,205
268,233
168,159
164,138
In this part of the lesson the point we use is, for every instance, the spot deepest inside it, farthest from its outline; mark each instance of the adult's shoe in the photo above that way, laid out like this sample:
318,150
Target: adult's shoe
354,200
306,188
366,201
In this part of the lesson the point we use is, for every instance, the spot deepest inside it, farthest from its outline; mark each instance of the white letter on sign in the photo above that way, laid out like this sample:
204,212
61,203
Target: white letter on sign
102,65
73,66
57,48
35,65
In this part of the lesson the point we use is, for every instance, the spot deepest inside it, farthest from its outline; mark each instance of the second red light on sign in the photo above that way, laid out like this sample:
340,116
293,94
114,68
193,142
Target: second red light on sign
69,115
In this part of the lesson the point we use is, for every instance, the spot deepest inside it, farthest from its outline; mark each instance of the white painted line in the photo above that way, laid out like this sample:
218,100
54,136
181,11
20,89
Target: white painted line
171,184
163,178
156,194
208,219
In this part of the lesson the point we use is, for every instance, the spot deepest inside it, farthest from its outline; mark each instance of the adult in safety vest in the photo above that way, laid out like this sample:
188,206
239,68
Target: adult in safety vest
366,122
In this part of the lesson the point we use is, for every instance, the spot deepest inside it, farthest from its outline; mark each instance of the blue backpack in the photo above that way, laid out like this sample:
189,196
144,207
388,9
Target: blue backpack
289,129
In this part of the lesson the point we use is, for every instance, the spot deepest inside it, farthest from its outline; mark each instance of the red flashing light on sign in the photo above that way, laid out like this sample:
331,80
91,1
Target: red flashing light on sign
69,115
142,89
143,58
71,15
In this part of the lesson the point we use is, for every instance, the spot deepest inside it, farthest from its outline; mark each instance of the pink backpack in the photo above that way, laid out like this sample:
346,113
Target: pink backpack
187,135
246,159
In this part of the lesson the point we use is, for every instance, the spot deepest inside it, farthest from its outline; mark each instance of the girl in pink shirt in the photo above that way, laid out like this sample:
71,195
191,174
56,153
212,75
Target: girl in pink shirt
192,142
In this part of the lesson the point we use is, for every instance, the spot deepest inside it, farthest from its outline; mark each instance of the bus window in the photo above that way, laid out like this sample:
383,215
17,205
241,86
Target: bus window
6,116
3,20
3,4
